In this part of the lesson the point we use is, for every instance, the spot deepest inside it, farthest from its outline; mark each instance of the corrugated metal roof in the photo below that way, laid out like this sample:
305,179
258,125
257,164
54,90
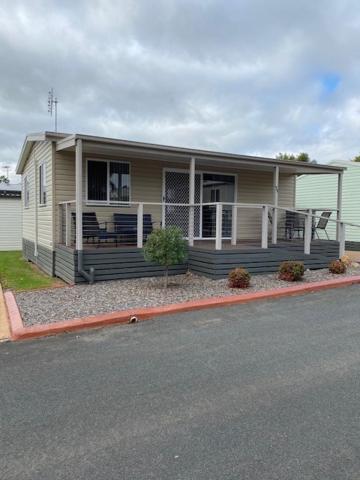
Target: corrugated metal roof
66,141
10,190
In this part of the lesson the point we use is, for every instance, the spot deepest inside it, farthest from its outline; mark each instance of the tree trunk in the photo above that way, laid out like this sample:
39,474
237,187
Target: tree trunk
166,276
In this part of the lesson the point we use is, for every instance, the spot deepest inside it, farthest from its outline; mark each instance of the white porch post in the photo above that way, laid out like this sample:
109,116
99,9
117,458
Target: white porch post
308,232
67,225
276,204
264,226
341,226
339,204
191,201
140,227
234,225
218,230
78,194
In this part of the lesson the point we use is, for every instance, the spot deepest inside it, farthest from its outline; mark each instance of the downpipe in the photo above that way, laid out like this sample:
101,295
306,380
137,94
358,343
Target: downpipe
90,277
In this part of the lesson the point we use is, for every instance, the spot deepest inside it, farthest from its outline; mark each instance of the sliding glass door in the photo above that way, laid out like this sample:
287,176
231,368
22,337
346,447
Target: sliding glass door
217,188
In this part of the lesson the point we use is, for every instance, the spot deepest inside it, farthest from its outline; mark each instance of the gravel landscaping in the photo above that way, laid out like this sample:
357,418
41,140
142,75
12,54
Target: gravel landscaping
51,305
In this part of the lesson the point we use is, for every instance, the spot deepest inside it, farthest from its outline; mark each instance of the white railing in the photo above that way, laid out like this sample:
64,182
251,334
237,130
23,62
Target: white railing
218,210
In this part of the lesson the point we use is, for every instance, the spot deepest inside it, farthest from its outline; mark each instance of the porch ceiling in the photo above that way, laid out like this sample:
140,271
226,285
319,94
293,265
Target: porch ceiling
128,149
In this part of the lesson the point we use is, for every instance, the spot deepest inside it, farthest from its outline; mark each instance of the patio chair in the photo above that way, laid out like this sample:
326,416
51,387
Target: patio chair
294,225
92,230
322,224
125,224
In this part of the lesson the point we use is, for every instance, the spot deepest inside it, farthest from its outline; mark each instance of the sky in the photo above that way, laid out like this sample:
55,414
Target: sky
243,76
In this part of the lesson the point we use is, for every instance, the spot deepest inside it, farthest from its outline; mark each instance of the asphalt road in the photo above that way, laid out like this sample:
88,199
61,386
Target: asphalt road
259,391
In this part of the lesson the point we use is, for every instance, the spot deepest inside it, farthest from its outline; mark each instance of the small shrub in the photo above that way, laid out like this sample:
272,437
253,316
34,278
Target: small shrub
337,266
239,278
165,247
291,271
346,259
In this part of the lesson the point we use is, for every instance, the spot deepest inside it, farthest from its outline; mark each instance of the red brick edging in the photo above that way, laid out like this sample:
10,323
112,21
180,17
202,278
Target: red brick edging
20,332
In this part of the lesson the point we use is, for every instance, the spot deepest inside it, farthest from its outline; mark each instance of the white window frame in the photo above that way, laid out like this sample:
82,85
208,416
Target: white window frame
42,184
108,201
26,192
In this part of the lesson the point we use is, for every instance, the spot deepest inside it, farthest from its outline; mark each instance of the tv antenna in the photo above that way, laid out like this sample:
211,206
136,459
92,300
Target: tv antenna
52,106
6,168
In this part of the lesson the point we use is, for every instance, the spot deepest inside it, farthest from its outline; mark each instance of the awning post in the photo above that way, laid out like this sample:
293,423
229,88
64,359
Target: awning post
339,204
191,201
78,193
275,215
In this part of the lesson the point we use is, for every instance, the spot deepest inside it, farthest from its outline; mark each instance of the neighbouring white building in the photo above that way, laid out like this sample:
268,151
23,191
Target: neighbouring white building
10,217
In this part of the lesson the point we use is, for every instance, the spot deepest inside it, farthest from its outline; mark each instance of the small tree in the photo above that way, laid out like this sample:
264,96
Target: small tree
290,157
166,247
287,157
303,157
4,179
356,159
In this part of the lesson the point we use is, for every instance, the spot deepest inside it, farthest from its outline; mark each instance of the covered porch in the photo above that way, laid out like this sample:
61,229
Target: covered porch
202,193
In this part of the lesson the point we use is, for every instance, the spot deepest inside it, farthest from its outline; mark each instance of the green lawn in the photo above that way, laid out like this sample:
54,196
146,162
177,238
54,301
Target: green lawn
18,274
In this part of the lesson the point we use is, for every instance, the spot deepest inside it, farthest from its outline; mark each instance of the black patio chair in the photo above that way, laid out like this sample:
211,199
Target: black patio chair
125,224
294,225
322,224
92,230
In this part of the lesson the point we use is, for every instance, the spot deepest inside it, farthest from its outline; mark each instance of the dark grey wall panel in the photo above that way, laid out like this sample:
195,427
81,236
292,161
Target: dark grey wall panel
353,246
217,264
122,263
109,264
44,259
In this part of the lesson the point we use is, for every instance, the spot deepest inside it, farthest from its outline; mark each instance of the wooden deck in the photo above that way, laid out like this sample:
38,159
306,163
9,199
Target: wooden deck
210,244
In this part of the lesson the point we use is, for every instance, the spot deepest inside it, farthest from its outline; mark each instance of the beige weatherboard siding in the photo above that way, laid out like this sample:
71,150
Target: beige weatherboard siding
147,186
37,218
254,179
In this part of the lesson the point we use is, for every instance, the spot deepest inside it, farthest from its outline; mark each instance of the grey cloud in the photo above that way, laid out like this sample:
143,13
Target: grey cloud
242,76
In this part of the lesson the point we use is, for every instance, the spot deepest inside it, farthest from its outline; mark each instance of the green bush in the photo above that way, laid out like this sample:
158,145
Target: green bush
239,278
291,271
165,247
337,266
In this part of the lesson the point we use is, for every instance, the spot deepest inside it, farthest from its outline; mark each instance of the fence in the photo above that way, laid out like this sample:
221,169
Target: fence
219,222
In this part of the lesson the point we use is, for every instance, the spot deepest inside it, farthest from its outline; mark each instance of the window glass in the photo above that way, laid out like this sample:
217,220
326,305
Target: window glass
119,182
97,180
42,184
26,192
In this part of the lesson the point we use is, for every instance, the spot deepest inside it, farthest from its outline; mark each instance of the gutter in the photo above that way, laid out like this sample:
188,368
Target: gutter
198,153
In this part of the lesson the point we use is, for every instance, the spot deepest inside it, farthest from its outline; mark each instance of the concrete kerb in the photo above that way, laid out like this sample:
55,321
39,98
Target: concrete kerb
4,320
21,332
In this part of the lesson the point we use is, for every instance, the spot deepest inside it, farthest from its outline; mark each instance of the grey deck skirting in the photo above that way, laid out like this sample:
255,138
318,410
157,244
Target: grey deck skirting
44,259
124,263
217,264
353,246
109,264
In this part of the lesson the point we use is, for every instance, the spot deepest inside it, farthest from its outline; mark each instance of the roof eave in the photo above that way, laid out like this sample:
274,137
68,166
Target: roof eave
70,141
28,144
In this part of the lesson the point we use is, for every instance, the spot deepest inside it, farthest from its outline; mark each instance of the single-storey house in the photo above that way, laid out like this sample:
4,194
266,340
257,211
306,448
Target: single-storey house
317,191
90,202
10,217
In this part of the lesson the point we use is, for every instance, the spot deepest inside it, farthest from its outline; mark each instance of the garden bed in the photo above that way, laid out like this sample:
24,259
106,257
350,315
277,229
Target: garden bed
52,305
